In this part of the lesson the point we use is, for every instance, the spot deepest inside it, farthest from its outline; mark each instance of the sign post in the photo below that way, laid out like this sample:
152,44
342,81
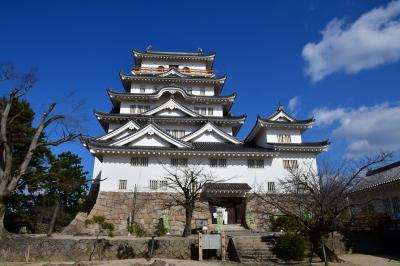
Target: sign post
214,241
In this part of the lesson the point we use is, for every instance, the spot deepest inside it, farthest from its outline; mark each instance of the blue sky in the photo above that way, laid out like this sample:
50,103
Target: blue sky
272,51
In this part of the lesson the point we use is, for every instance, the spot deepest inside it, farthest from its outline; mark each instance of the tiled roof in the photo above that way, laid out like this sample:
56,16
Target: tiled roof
210,187
303,144
378,177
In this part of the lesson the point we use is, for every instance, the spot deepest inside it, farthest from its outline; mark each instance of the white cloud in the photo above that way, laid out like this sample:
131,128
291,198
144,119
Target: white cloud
293,103
372,40
367,129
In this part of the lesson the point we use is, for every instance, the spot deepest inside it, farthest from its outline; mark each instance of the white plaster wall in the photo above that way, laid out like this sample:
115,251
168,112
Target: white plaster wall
152,87
125,107
116,167
193,65
271,135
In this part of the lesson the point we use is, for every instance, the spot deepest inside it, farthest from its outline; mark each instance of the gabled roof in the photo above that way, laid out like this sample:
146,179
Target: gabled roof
304,146
279,119
171,104
128,126
226,187
173,72
151,129
210,127
218,83
235,121
201,149
181,56
226,101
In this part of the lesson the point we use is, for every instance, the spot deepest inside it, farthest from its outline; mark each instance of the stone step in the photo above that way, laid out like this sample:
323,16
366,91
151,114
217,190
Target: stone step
254,245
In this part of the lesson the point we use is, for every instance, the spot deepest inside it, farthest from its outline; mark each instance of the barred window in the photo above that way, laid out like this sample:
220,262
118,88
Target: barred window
271,186
140,161
290,164
142,89
179,161
217,163
122,184
253,163
177,133
200,110
284,138
387,206
158,184
202,91
189,90
210,111
396,205
138,109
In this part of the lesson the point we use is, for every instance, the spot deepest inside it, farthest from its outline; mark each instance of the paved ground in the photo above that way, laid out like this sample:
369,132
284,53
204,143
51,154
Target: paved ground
350,260
369,260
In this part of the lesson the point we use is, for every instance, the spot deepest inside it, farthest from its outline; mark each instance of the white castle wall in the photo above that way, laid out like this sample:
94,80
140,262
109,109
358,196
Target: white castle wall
116,167
217,108
192,65
151,87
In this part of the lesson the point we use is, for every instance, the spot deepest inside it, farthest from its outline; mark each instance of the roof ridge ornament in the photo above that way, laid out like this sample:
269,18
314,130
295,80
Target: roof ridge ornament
148,48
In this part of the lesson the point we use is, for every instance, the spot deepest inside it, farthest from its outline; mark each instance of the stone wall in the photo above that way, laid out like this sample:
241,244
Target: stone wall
147,207
75,249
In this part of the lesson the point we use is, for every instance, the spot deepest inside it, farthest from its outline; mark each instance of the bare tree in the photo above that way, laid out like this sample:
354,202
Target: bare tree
187,183
318,200
19,86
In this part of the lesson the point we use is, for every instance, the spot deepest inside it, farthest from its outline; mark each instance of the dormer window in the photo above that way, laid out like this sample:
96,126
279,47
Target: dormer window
160,69
284,138
186,70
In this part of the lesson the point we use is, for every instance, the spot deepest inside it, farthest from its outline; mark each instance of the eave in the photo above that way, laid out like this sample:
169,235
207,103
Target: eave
179,56
316,147
117,97
236,122
97,148
218,83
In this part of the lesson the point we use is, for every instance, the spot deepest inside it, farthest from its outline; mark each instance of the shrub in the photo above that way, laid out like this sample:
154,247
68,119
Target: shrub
287,224
290,247
136,230
103,225
161,230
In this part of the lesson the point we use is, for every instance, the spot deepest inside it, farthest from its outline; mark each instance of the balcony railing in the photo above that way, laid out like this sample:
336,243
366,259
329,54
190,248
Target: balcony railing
186,71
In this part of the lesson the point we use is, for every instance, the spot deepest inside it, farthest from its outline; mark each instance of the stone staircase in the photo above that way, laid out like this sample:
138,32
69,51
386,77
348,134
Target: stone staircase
254,248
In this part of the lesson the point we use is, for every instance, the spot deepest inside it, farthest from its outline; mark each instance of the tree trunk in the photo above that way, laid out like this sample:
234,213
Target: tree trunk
188,223
323,252
3,230
53,219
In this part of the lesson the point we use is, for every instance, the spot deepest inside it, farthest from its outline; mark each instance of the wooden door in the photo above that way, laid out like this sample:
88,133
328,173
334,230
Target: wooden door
231,215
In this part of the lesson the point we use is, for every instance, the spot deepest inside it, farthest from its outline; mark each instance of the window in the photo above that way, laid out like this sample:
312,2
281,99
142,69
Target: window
139,161
138,109
179,161
160,69
271,186
142,89
252,163
177,133
200,110
202,91
194,185
396,205
186,70
122,184
210,111
158,184
284,138
387,206
217,163
189,90
156,87
290,164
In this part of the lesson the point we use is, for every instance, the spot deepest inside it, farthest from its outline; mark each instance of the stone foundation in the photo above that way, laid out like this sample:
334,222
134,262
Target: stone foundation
147,209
